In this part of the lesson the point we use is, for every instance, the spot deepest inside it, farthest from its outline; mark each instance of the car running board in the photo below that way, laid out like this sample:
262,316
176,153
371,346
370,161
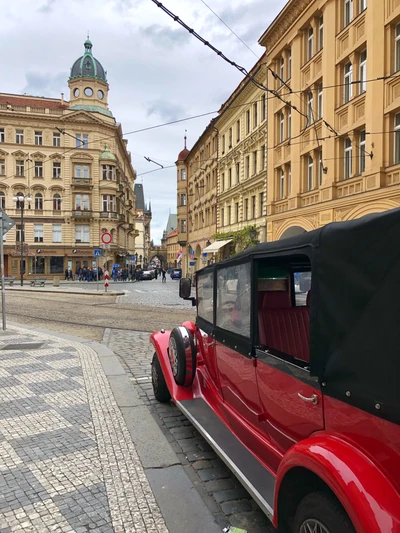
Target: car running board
257,480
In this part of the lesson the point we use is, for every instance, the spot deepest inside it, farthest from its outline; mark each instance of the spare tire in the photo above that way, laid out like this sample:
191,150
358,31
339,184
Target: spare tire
182,356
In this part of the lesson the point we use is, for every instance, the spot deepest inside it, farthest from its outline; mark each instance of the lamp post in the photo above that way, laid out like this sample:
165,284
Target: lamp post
20,199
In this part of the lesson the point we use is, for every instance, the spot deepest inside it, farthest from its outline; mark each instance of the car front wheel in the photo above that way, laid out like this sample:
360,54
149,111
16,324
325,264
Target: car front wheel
320,512
160,388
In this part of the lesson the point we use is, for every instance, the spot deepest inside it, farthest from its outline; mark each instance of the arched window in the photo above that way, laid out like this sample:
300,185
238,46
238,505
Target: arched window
39,201
2,200
19,195
57,202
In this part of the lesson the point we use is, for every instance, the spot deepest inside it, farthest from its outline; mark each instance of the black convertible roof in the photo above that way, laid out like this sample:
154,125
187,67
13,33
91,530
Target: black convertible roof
355,307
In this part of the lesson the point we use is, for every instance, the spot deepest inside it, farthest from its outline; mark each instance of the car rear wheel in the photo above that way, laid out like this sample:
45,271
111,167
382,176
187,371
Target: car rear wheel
160,388
319,512
182,356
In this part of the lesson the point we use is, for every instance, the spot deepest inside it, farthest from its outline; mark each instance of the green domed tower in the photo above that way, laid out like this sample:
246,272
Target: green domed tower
88,84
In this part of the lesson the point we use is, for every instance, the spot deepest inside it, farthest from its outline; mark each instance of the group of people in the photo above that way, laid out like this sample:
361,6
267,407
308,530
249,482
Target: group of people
83,274
117,274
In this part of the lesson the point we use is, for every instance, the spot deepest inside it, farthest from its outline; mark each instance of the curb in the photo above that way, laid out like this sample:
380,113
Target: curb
61,291
168,479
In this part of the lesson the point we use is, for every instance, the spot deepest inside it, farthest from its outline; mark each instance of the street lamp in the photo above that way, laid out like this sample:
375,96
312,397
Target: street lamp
20,199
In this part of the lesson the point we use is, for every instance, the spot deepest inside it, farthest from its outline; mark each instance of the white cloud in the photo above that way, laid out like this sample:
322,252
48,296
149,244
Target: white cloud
157,72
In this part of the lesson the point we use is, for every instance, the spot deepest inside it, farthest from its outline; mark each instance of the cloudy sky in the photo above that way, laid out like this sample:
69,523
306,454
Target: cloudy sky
156,70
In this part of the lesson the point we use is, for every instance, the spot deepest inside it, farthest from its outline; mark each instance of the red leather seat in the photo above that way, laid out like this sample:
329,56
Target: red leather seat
283,327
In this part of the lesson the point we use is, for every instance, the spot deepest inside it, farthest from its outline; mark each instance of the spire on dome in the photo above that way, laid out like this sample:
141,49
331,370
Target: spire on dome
185,151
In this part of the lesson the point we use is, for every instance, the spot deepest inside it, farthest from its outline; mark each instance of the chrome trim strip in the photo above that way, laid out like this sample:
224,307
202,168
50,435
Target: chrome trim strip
268,510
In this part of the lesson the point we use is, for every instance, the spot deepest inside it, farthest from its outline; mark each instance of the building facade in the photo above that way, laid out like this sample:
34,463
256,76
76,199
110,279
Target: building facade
70,164
143,218
173,249
338,156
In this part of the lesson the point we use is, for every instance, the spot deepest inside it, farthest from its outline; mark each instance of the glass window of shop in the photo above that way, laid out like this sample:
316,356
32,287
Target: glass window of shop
56,265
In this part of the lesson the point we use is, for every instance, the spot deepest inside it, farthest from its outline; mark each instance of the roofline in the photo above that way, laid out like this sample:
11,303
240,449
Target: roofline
12,95
206,131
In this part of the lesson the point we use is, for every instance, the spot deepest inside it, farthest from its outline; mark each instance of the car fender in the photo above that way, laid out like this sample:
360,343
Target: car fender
368,496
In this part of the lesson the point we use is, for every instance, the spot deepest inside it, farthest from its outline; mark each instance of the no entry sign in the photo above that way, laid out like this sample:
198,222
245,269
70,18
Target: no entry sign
106,238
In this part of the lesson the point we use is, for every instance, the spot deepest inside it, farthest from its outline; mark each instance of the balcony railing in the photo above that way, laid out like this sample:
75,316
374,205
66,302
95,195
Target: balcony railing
107,214
79,213
85,182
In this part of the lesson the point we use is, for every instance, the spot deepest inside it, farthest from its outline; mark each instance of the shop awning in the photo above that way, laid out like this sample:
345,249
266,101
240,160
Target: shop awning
215,246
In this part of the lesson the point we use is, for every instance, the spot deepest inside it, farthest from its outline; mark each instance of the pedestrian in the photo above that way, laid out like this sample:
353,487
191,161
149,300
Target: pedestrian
70,275
164,277
66,274
156,273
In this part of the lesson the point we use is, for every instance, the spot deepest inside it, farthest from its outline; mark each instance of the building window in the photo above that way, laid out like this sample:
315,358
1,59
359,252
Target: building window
254,162
2,167
289,123
38,138
397,139
248,121
247,167
223,144
19,237
82,202
2,136
348,159
263,157
310,174
263,109
361,145
56,139
18,203
281,184
57,170
38,169
310,43
183,174
363,5
82,140
363,71
320,33
348,82
246,209
237,212
38,232
38,202
229,215
237,172
255,115
19,136
397,48
238,131
310,112
82,171
82,233
57,264
108,172
253,207
282,69
2,200
348,12
230,177
19,167
222,217
281,127
56,202
57,233
261,204
320,167
183,199
109,203
289,181
320,100
289,74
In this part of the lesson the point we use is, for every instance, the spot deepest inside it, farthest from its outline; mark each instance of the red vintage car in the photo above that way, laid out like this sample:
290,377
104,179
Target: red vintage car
299,394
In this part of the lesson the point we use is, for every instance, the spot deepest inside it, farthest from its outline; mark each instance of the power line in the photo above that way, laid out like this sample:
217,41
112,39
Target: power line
155,170
230,29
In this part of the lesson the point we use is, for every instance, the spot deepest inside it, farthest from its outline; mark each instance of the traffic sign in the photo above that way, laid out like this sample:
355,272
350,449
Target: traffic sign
7,222
97,252
106,237
192,263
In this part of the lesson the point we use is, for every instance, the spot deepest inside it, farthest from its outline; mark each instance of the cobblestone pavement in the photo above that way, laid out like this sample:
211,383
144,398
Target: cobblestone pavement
225,497
67,461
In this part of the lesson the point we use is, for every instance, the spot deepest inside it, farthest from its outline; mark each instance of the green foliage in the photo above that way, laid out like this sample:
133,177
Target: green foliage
241,239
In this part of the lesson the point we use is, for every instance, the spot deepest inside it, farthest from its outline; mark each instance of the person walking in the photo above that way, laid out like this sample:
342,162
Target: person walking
66,274
164,276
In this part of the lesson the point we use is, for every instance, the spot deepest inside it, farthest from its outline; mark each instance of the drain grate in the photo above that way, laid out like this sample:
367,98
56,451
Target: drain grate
23,346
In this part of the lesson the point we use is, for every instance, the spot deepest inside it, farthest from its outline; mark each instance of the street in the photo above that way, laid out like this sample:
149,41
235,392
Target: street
123,324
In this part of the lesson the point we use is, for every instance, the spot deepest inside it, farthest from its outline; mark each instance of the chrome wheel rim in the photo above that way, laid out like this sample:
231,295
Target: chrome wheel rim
172,356
311,525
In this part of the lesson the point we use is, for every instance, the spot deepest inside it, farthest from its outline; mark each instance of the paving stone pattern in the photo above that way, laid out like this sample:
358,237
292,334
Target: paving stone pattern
67,461
226,498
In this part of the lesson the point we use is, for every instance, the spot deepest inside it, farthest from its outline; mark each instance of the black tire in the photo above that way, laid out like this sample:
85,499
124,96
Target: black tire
325,510
160,388
183,363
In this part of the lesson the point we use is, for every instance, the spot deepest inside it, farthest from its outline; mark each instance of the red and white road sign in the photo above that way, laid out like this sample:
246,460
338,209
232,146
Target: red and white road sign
106,278
106,237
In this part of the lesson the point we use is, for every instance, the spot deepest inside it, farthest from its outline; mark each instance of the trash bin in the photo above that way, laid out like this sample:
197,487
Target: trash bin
56,282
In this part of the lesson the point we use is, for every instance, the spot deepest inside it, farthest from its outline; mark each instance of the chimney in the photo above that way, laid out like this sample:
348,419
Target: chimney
62,98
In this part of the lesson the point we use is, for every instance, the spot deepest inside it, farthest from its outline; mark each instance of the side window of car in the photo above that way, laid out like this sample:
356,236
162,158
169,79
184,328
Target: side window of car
205,300
302,287
234,299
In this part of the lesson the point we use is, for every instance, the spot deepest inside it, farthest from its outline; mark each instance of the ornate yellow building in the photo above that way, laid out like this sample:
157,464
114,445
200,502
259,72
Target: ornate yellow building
70,163
339,158
173,249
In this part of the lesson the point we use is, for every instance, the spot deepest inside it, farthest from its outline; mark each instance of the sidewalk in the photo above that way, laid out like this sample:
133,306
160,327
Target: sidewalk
79,451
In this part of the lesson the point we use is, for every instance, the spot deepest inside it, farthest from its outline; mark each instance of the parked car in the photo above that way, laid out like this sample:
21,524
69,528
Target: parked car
301,402
146,274
176,273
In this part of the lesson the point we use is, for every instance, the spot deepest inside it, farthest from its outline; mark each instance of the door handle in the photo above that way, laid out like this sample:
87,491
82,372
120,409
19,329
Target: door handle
209,344
313,399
